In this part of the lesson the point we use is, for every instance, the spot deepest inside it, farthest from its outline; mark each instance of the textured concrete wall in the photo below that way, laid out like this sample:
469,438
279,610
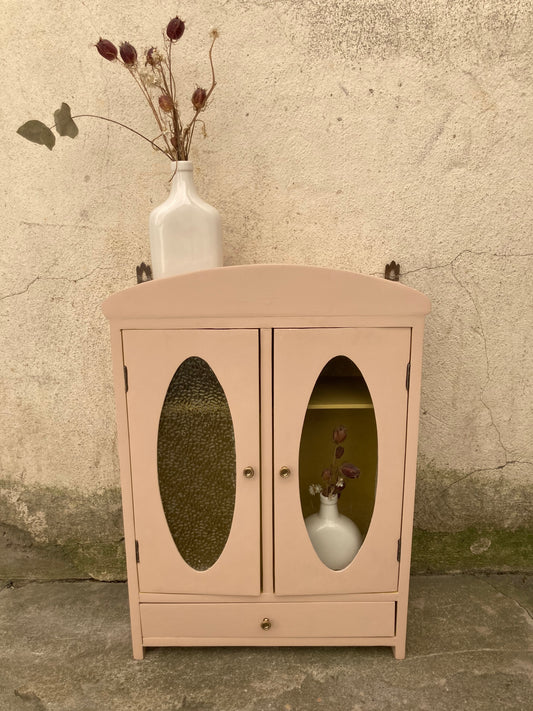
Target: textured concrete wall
342,134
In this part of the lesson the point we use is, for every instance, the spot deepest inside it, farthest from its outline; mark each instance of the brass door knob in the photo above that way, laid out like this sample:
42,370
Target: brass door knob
248,472
284,472
266,624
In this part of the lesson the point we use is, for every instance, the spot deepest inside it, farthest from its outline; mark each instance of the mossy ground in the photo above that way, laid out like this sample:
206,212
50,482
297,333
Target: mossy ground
80,536
472,550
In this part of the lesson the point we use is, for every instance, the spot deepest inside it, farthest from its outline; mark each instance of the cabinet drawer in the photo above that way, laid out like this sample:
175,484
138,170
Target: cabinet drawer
243,620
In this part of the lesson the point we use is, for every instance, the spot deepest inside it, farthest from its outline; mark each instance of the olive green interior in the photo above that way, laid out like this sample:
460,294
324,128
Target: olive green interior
340,397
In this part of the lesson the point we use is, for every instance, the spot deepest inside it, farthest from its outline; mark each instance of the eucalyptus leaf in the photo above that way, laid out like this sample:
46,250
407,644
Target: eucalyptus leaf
64,124
37,132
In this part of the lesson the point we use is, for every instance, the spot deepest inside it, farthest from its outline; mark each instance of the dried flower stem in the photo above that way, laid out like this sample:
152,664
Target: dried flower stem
334,473
171,91
188,133
151,142
148,98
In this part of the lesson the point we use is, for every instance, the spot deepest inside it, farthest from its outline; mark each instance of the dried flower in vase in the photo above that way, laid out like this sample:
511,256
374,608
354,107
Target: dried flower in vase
154,75
334,478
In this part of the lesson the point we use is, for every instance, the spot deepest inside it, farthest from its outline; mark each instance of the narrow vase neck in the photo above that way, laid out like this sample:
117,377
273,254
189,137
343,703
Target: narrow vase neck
328,508
182,179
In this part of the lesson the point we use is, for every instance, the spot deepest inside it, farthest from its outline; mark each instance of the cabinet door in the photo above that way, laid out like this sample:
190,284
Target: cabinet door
325,379
193,417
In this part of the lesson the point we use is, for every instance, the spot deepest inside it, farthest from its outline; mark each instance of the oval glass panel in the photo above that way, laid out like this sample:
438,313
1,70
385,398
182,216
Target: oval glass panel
196,463
338,463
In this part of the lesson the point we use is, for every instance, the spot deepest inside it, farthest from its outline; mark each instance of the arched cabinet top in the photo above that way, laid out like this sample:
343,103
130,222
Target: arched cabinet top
266,290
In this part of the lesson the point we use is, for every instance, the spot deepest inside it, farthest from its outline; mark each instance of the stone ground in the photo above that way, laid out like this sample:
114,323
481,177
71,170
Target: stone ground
66,647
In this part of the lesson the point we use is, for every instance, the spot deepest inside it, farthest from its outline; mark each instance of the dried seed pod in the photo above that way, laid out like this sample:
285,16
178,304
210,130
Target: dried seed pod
175,29
350,470
165,103
151,57
107,49
339,434
199,98
128,53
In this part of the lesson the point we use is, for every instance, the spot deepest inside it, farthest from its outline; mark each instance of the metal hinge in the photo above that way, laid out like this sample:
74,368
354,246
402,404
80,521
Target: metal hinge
399,553
408,376
137,557
126,377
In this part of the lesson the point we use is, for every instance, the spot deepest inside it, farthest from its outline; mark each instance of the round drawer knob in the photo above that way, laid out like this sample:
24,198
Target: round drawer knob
284,472
248,472
266,624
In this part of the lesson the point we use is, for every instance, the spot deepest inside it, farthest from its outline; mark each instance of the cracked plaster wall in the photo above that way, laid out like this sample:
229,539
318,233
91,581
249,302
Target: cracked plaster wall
341,134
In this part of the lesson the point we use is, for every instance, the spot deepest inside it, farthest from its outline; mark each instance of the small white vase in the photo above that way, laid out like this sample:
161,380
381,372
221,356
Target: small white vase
185,232
335,537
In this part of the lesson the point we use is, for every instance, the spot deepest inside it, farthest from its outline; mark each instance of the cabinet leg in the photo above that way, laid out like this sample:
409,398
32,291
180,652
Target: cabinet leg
399,650
138,653
138,649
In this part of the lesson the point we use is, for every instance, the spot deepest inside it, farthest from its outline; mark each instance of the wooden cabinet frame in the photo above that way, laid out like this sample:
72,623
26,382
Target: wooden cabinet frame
246,320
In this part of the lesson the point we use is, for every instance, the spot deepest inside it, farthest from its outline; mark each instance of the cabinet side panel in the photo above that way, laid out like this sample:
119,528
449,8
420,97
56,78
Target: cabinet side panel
125,480
409,482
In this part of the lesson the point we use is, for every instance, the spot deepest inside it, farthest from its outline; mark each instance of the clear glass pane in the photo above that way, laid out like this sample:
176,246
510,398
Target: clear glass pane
196,463
340,399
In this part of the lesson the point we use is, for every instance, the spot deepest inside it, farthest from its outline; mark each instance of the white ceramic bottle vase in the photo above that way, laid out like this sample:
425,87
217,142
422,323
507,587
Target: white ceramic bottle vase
335,537
185,232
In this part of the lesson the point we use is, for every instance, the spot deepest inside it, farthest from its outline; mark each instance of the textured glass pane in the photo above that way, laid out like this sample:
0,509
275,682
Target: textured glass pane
196,463
340,398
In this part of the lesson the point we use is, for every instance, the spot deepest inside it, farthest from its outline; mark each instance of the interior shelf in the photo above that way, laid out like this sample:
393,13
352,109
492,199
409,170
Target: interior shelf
340,393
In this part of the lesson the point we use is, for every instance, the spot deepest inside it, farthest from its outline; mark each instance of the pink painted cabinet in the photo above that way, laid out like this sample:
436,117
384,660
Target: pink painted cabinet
229,383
